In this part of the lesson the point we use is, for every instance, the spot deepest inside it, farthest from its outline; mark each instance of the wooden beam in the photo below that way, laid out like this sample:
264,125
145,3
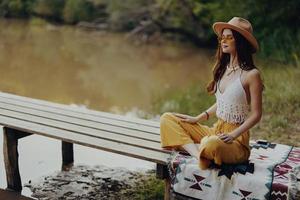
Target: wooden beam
67,156
11,157
162,172
167,189
20,134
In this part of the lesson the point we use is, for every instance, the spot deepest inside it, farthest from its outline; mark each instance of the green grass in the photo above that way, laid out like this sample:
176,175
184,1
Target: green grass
281,105
149,188
152,188
37,21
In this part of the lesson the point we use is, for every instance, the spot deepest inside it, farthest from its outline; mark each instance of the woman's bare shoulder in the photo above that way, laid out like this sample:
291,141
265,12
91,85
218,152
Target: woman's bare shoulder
253,75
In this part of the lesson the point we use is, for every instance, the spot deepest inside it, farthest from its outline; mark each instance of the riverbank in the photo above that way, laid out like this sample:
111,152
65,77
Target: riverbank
98,182
187,21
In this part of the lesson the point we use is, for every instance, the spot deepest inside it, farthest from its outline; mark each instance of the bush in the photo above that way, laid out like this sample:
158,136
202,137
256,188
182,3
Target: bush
126,15
49,9
78,10
35,21
16,8
276,32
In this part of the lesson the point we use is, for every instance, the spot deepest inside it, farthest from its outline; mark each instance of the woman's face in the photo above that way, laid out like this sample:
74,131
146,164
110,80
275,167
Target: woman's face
227,42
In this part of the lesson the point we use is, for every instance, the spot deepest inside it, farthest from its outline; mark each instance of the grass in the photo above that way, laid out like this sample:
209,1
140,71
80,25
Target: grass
149,188
38,21
152,188
281,105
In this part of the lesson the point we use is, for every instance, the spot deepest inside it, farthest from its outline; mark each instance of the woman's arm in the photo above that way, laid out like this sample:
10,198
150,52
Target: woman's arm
254,81
201,117
211,112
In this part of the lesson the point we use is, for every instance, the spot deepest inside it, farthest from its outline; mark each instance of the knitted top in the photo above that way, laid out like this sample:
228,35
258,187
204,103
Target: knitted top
232,105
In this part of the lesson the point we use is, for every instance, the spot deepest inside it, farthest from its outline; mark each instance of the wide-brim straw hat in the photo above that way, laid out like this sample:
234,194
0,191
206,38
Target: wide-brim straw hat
240,25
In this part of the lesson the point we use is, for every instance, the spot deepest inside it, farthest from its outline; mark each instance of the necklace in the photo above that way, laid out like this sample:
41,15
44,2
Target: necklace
232,69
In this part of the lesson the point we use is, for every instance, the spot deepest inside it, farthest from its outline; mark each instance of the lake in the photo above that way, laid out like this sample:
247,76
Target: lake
93,69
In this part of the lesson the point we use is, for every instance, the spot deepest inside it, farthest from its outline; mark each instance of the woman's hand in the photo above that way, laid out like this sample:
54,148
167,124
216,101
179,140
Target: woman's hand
227,138
187,118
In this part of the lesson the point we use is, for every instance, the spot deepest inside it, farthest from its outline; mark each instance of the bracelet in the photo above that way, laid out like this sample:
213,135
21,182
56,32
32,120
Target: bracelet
207,115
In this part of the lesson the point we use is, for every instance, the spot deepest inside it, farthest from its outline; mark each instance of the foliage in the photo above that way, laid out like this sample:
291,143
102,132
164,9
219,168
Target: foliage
16,8
275,22
78,10
277,32
126,15
36,21
49,9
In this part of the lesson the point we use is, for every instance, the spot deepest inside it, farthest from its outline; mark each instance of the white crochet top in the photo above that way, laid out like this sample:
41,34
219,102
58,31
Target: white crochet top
232,104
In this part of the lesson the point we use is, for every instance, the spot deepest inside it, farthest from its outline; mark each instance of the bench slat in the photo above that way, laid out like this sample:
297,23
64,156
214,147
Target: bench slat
80,130
98,143
83,123
64,110
111,116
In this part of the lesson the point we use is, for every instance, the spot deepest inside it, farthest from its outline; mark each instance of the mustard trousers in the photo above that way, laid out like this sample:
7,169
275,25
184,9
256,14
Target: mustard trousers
175,133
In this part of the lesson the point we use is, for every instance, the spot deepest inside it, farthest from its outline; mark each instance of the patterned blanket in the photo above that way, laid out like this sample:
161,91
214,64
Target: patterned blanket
264,176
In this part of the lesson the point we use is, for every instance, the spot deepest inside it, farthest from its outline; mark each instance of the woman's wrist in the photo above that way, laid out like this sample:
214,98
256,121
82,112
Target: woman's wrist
203,116
207,115
234,135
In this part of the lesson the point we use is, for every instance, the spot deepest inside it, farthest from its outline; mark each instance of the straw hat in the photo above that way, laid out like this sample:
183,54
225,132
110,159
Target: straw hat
240,25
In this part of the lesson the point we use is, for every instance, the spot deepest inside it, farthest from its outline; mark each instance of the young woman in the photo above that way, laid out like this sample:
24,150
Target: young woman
238,87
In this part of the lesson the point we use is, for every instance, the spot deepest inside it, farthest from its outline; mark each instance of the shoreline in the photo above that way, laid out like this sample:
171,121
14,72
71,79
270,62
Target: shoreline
89,182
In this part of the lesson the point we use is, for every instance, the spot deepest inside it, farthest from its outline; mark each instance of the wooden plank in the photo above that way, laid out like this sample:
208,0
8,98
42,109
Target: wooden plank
83,123
83,116
11,159
98,143
84,131
86,116
81,111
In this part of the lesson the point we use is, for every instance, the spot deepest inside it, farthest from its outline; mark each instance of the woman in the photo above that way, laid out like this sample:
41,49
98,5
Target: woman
238,87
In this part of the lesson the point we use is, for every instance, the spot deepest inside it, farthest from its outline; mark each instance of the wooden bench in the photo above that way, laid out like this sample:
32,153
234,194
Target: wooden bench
23,116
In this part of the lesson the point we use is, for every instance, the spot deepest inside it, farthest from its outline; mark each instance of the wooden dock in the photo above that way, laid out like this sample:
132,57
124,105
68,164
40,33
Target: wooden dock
24,116
10,195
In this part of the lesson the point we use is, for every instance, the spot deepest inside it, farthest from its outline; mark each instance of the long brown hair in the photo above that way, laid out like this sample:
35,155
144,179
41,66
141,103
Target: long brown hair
244,55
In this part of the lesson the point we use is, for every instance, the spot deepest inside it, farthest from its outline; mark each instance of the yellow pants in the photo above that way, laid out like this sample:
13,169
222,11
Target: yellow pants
175,133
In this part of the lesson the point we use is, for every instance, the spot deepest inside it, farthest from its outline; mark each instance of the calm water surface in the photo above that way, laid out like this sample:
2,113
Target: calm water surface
97,70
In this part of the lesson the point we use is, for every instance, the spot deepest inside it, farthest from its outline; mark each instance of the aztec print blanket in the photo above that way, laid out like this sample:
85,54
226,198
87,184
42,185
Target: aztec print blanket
264,176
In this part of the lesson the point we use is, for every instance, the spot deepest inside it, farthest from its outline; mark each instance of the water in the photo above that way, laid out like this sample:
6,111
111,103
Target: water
98,70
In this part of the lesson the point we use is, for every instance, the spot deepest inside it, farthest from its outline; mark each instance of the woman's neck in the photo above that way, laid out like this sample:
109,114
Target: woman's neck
233,60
